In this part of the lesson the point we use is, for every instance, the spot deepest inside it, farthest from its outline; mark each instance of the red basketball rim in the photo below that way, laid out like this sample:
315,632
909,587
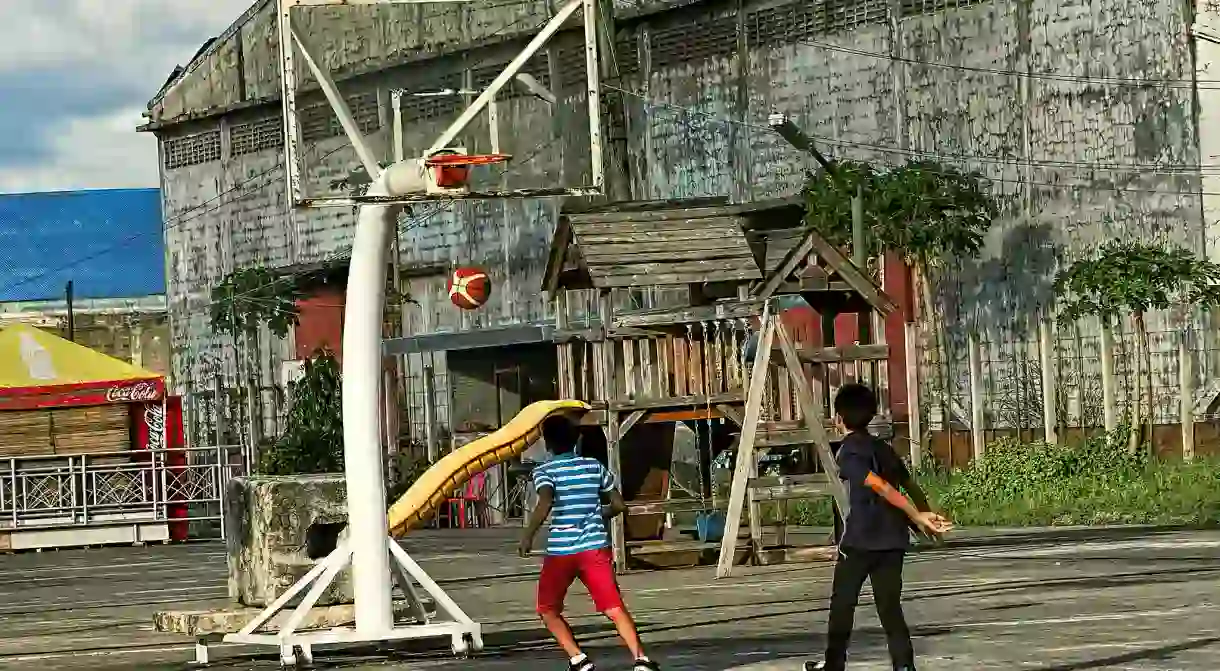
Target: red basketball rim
445,160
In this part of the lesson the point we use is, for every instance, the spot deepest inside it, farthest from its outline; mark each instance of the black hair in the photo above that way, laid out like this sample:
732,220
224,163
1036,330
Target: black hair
856,405
560,434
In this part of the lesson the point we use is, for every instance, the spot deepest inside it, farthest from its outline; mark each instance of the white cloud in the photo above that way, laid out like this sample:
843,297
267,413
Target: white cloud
123,50
97,152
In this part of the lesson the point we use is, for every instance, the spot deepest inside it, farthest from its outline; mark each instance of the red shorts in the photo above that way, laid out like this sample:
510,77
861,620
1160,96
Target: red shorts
595,568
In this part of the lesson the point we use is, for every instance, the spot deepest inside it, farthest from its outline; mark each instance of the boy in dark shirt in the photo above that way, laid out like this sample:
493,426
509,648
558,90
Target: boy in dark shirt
876,533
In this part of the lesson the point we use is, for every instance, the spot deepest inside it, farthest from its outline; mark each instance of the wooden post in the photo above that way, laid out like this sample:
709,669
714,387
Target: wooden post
914,421
976,396
566,363
745,446
609,385
1186,400
1109,389
1045,345
218,409
430,415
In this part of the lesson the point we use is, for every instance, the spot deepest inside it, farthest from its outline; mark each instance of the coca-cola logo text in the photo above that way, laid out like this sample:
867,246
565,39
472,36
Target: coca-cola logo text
154,419
135,393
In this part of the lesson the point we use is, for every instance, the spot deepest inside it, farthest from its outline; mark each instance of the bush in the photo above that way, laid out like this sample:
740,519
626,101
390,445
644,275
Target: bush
312,441
1096,482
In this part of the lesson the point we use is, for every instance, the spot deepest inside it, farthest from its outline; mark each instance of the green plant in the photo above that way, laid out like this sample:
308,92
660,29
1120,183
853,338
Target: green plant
929,213
312,441
1137,277
1095,482
250,297
245,300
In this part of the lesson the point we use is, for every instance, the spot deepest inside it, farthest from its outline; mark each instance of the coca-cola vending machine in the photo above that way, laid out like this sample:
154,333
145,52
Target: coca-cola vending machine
157,422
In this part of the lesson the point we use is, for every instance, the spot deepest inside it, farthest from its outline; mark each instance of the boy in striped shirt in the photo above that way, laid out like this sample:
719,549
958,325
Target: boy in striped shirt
580,495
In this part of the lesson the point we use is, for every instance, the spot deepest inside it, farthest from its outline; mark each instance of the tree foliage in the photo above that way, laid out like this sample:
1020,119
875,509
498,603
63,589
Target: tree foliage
926,211
1136,277
312,441
253,296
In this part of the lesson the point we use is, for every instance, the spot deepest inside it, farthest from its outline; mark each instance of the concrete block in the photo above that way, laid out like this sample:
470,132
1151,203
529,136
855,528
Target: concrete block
220,621
270,522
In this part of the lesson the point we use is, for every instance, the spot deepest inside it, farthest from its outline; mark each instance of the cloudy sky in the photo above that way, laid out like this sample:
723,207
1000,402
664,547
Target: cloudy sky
75,76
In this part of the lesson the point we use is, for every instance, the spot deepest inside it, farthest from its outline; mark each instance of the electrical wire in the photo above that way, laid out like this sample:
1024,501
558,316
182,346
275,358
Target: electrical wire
1145,168
1133,82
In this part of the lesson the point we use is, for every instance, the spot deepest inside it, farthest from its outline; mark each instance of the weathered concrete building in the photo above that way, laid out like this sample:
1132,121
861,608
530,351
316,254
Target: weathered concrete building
1084,114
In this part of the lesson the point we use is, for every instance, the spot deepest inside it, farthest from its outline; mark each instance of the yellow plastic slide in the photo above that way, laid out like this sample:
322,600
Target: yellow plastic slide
438,483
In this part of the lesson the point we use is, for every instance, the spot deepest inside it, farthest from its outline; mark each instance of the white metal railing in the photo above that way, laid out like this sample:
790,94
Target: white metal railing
55,491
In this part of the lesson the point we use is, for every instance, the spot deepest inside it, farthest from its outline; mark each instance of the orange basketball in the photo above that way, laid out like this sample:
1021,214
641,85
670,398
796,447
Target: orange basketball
469,288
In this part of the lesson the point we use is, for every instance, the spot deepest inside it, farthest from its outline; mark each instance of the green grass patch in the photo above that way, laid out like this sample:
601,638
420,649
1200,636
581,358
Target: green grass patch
1097,482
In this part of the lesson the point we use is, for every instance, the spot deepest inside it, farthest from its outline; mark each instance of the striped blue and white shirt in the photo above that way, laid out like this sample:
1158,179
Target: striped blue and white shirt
576,519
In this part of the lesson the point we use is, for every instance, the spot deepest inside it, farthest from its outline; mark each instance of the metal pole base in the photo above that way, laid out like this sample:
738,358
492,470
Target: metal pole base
296,647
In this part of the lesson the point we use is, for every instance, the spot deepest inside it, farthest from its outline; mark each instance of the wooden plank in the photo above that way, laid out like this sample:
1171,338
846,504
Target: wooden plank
670,506
657,215
854,276
676,401
668,237
700,266
583,228
676,252
817,432
631,421
691,315
730,413
663,279
661,416
703,241
556,257
791,492
845,353
795,256
785,480
745,450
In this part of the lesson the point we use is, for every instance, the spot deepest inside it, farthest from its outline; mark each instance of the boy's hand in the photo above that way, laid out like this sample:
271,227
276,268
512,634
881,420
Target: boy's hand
932,523
526,546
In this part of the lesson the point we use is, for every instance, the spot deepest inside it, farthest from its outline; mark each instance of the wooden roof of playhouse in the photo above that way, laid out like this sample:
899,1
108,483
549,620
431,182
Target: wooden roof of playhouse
707,241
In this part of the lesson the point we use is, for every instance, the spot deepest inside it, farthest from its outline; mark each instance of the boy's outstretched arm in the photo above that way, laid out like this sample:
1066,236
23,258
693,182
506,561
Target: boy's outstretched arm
857,468
546,499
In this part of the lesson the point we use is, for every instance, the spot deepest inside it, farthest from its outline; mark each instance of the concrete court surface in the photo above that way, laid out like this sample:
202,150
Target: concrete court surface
1117,599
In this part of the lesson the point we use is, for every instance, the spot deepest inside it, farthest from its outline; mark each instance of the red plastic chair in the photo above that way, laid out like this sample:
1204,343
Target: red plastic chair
469,508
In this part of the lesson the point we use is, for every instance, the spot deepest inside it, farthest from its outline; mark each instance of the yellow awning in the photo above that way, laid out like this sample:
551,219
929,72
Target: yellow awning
31,357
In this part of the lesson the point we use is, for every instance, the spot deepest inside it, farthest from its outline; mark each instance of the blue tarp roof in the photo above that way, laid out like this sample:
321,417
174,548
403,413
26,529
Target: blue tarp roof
109,243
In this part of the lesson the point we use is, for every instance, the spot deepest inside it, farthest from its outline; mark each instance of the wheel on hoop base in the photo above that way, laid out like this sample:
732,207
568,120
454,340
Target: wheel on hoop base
466,645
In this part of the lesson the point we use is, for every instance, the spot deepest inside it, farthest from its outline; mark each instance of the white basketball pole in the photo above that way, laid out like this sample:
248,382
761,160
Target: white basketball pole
362,462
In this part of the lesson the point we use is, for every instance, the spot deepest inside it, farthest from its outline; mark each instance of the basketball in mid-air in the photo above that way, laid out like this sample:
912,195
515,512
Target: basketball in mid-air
469,288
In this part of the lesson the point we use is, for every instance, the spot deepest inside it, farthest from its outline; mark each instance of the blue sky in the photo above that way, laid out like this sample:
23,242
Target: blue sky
75,77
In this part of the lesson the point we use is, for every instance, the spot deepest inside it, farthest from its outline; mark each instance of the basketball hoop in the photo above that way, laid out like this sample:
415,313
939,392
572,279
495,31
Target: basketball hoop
450,171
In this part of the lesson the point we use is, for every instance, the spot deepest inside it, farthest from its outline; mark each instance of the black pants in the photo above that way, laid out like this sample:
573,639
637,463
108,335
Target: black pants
883,568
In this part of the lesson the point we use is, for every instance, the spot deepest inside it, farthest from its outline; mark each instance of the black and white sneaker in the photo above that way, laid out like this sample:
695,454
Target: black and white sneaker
584,664
815,666
645,664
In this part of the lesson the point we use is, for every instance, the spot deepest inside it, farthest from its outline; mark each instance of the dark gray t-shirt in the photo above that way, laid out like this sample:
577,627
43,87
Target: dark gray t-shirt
872,523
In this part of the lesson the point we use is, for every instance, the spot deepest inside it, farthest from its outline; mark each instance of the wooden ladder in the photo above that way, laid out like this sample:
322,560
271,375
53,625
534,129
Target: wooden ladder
748,489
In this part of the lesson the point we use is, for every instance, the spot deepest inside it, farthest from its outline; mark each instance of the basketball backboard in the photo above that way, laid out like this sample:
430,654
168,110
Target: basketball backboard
477,118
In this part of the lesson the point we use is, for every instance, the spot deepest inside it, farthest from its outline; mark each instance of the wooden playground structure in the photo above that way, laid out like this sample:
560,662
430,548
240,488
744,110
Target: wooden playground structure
723,363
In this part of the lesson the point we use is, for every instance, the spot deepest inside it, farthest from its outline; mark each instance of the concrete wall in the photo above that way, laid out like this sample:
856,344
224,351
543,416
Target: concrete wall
1078,160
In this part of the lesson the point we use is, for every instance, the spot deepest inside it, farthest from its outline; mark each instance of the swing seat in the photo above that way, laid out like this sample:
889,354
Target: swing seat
709,526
